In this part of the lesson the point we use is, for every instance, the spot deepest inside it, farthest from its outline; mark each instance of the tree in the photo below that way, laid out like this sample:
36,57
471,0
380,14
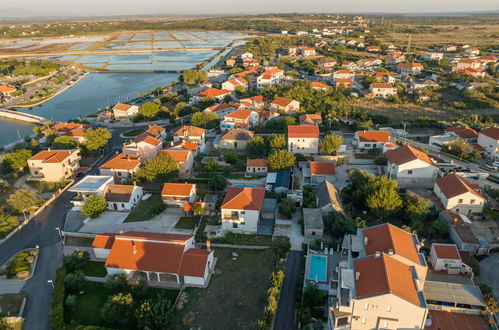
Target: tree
281,159
159,168
24,201
457,147
218,183
191,76
97,138
155,314
64,142
312,296
380,160
76,260
211,166
235,70
203,119
117,309
149,109
16,160
93,206
255,146
277,141
116,284
74,281
331,143
384,199
368,80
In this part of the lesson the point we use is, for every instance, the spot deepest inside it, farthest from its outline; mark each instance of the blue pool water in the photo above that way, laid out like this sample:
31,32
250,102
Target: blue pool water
318,268
244,185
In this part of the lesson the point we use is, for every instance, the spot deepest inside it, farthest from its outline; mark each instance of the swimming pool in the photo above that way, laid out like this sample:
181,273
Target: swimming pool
318,268
244,185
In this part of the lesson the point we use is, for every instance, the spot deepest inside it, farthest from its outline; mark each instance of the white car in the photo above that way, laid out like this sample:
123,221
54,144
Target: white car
490,167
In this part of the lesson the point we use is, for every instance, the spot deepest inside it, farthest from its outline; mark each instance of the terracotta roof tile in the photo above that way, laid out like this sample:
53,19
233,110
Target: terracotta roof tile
122,162
147,139
381,85
281,101
453,185
180,156
242,198
103,241
240,114
492,132
177,189
310,118
7,88
300,131
155,130
463,131
446,251
122,107
237,134
214,92
119,192
322,168
374,136
190,131
52,156
256,162
406,154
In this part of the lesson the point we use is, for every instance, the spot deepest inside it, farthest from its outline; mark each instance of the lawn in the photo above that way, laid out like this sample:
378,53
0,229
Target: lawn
95,268
133,132
88,307
145,210
236,294
78,241
186,223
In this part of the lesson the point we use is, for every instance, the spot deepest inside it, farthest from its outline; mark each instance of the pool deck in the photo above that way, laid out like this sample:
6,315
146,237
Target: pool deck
332,260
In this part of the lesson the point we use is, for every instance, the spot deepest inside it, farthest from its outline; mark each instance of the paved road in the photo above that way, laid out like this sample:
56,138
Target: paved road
489,273
285,317
40,231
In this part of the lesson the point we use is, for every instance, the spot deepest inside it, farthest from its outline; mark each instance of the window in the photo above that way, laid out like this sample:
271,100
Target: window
409,172
385,324
472,201
342,321
460,200
366,306
234,225
364,320
388,308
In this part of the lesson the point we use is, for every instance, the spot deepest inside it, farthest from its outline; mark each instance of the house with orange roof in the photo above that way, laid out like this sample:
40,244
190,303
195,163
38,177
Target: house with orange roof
301,51
408,69
394,59
369,62
446,257
178,193
463,132
250,63
7,90
411,167
75,130
342,84
232,84
231,62
223,109
314,172
255,102
488,139
472,51
479,72
310,119
343,74
125,111
158,258
459,195
122,197
54,165
240,209
184,159
370,139
256,166
303,139
270,77
191,134
241,118
468,63
144,146
218,94
236,139
156,132
382,90
319,86
373,48
350,65
121,166
284,104
183,145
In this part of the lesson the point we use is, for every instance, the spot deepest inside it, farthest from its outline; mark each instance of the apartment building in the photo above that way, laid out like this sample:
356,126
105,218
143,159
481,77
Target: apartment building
54,165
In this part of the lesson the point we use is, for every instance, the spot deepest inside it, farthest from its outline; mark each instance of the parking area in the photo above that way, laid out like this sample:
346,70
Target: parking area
488,273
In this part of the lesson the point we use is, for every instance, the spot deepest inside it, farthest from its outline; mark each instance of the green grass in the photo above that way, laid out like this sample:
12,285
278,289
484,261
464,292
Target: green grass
145,210
186,223
19,264
44,187
7,224
95,268
133,132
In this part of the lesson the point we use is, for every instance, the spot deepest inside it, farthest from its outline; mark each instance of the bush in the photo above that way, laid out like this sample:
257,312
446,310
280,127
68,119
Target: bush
57,303
93,206
75,281
18,264
117,309
116,284
155,313
77,260
7,224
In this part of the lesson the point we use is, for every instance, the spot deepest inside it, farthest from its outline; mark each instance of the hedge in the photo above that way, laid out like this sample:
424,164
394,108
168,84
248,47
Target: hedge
57,304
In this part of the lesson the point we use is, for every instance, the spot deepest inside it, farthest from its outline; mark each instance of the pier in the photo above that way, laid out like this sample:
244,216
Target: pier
21,116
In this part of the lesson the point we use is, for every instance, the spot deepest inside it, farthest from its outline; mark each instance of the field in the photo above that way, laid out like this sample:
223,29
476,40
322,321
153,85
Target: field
236,294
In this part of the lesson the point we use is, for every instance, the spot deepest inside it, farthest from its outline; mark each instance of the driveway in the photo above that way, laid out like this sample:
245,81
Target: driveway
285,316
489,273
296,237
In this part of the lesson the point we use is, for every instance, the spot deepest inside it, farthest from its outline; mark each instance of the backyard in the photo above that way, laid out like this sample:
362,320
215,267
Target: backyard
236,295
95,269
147,209
186,223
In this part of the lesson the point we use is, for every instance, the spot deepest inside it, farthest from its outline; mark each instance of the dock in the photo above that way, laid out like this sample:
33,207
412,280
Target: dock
21,116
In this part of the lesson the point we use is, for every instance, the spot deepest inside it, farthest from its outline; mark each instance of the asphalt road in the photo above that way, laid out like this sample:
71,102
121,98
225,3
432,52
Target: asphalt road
285,316
489,273
40,231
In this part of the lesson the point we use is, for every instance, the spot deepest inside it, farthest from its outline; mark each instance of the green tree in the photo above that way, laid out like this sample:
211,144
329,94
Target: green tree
211,166
457,147
76,260
117,309
384,199
191,76
368,80
93,206
255,146
75,281
277,141
155,314
331,143
24,201
116,284
235,70
149,109
16,160
218,183
64,142
97,138
159,168
7,224
204,119
281,159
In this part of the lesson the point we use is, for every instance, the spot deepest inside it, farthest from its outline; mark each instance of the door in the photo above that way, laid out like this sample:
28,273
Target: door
115,206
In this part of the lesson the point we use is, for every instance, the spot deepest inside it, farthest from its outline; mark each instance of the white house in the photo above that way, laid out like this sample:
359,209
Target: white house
191,134
121,197
215,93
409,68
54,165
316,172
284,104
489,140
184,159
121,166
446,257
178,193
235,139
382,90
90,185
144,146
125,111
303,139
457,194
270,77
370,139
256,166
223,109
232,84
156,257
240,118
410,167
432,56
241,208
343,74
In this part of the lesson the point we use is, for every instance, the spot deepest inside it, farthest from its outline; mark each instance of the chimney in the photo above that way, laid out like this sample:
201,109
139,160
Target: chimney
377,254
134,248
357,276
366,239
48,149
117,152
390,252
171,143
208,245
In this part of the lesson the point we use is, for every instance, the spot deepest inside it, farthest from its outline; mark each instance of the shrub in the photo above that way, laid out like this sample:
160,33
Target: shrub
57,303
75,281
93,206
75,261
155,313
117,309
18,264
116,284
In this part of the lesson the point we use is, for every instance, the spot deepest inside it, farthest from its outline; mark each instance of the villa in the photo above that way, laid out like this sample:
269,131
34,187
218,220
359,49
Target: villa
144,146
303,139
192,134
54,165
125,111
370,139
241,118
121,166
184,159
178,193
241,208
459,195
284,104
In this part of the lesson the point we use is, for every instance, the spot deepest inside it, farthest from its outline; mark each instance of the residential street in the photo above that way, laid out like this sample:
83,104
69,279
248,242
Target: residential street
285,316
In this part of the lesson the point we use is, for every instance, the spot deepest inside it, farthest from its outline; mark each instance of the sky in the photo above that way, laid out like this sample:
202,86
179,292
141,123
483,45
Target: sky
26,8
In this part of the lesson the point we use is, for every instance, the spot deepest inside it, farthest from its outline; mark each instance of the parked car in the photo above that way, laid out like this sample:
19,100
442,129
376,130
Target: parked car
490,167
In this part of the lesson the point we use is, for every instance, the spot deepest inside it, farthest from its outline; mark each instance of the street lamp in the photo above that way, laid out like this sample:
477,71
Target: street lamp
51,283
60,234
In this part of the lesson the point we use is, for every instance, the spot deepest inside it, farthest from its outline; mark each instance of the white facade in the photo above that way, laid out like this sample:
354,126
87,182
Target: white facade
135,197
490,145
131,112
303,145
415,173
450,265
465,203
240,221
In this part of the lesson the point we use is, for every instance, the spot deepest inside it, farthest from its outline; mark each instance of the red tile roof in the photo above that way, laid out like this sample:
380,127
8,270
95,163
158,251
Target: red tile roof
300,131
190,131
240,114
147,139
411,65
281,101
310,118
406,154
256,162
52,156
180,156
322,168
463,131
122,162
155,130
386,237
381,85
492,132
448,320
7,88
453,185
103,241
237,134
446,251
122,107
318,84
177,189
384,275
214,92
243,198
373,136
